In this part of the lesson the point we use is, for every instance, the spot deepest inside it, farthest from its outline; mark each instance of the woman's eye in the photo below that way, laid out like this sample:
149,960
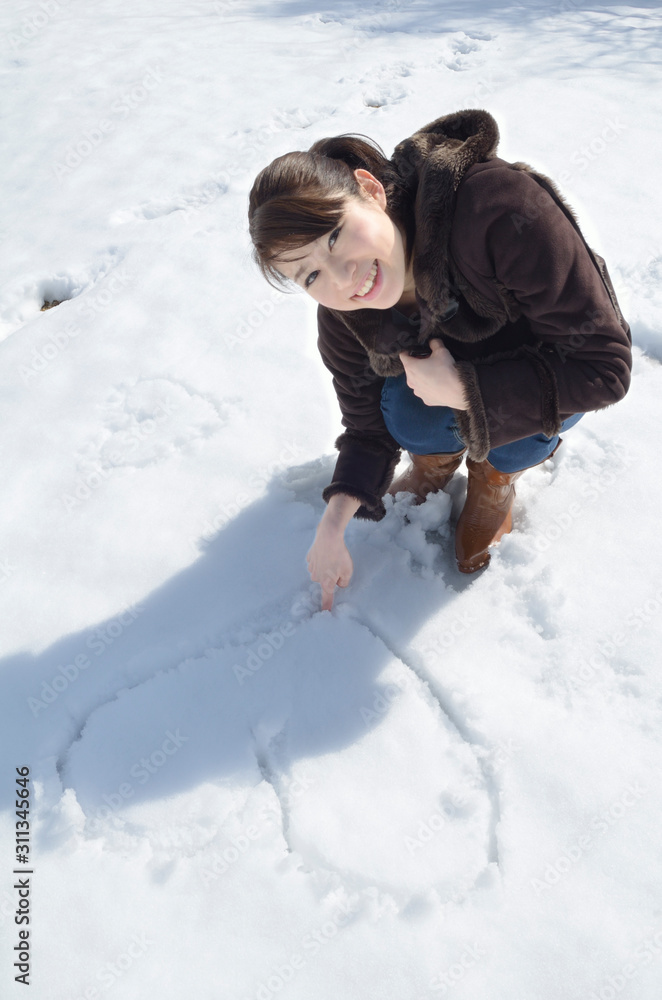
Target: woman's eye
313,274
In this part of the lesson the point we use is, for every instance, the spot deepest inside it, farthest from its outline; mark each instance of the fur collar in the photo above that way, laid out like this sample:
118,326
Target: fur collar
431,164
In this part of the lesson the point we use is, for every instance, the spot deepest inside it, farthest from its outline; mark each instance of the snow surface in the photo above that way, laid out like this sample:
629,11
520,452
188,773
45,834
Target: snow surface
446,786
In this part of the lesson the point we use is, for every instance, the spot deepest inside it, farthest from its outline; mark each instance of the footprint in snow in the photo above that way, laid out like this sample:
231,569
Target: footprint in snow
149,421
190,201
24,300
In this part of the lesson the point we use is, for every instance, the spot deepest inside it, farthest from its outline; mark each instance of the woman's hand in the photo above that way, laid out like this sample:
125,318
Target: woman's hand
329,561
435,379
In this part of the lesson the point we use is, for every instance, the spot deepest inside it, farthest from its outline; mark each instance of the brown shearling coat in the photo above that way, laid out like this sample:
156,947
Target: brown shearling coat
505,278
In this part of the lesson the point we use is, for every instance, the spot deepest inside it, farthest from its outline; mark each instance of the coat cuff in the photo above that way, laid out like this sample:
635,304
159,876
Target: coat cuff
364,470
472,422
549,392
482,420
372,507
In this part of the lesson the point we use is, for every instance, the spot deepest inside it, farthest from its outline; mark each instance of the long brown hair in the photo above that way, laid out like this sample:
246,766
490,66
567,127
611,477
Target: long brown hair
301,196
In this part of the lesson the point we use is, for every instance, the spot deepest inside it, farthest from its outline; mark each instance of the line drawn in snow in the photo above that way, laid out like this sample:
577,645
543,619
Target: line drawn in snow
459,626
499,755
288,792
329,867
218,864
263,746
459,724
262,652
381,703
493,761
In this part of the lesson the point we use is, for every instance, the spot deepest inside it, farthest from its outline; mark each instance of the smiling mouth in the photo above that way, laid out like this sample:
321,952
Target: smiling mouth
369,282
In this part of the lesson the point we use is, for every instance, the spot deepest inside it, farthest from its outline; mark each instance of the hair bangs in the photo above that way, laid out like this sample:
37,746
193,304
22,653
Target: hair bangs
287,223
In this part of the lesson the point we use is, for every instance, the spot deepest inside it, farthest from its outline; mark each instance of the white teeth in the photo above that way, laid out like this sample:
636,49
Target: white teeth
369,281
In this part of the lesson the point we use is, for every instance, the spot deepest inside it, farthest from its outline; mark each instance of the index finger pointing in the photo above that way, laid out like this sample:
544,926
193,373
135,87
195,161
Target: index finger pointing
327,598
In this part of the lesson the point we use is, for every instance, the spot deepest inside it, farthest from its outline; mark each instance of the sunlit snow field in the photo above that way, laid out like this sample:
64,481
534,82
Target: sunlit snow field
446,786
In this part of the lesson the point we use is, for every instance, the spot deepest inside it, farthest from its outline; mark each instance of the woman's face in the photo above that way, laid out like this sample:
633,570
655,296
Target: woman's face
361,264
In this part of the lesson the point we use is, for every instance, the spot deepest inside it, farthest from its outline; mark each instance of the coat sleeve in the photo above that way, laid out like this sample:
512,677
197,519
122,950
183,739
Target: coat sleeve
368,454
511,234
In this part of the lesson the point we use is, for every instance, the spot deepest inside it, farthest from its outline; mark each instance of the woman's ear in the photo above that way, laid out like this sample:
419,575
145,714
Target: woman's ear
371,187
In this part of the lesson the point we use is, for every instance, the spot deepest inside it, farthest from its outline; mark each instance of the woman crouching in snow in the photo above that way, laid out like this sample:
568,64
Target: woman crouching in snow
460,310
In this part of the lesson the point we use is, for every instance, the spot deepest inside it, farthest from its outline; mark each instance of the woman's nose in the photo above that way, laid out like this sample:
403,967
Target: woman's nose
344,272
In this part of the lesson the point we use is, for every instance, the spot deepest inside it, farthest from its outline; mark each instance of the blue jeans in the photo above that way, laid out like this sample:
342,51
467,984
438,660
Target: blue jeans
431,430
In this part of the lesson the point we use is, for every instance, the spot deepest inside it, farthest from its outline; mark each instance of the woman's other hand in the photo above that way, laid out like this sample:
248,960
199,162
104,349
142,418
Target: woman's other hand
435,379
329,561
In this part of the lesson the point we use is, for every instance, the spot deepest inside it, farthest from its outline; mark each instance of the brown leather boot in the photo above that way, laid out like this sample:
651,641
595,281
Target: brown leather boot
427,474
487,513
